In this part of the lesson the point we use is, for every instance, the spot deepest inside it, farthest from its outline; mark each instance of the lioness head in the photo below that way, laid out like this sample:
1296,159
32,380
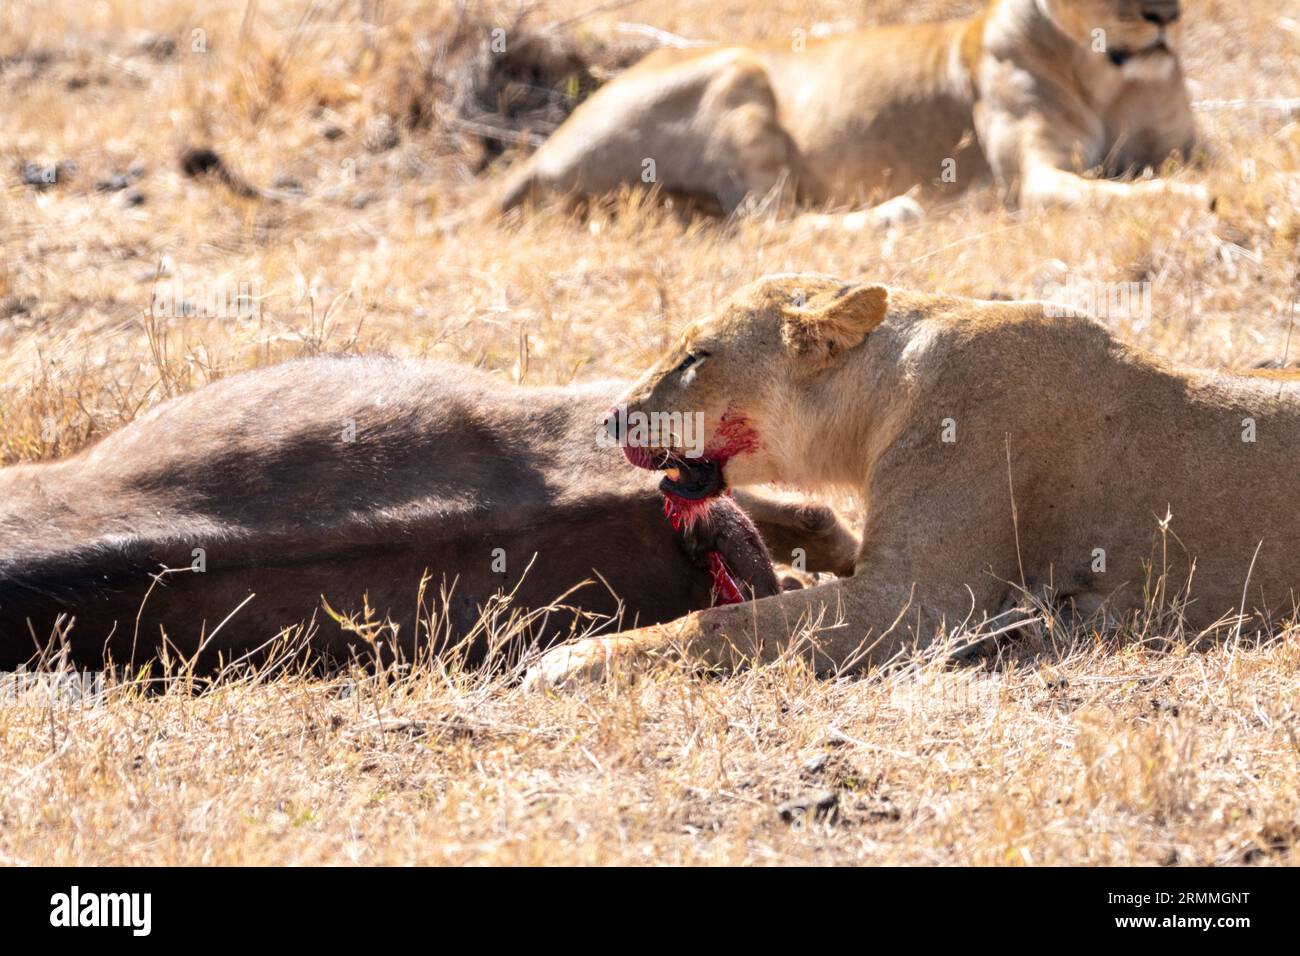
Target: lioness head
1139,36
727,404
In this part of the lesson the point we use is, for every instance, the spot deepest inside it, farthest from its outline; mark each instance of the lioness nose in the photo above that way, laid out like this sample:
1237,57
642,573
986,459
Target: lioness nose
611,423
1161,14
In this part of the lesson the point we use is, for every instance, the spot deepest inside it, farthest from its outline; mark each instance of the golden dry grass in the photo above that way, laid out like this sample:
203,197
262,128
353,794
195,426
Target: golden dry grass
1091,752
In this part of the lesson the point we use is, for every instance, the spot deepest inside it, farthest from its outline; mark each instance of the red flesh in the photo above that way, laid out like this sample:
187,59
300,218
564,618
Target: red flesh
735,436
683,513
725,588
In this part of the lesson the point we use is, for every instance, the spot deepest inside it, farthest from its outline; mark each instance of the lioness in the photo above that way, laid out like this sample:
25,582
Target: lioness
336,479
1000,448
1037,91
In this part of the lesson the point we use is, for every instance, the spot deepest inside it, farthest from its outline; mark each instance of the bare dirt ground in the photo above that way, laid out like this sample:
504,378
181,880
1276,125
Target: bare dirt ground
124,280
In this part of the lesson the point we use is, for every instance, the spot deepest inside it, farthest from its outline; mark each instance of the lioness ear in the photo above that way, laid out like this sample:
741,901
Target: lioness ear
831,325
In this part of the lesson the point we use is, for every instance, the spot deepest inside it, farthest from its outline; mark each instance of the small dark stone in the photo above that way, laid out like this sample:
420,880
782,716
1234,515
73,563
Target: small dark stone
199,160
133,198
816,764
836,739
157,47
815,805
1161,706
332,133
205,161
42,175
883,810
114,183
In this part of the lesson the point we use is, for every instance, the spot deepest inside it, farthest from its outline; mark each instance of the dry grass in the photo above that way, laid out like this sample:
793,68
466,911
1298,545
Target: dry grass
1144,753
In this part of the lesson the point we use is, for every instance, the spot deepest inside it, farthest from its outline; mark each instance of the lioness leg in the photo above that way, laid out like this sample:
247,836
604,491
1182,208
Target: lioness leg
850,624
1038,155
891,212
912,579
1047,185
809,535
703,124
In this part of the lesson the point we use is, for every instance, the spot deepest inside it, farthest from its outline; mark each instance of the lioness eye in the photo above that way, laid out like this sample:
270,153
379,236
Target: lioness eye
690,360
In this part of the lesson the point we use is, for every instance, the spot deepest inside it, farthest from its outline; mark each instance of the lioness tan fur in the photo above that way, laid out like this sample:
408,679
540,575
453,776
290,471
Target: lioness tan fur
345,481
1001,448
1035,91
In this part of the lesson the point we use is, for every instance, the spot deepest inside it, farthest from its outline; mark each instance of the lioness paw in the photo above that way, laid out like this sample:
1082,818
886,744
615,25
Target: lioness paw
893,212
569,665
593,659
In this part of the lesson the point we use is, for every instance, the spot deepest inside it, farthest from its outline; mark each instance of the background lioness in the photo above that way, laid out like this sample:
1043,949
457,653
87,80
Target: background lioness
1038,91
1002,450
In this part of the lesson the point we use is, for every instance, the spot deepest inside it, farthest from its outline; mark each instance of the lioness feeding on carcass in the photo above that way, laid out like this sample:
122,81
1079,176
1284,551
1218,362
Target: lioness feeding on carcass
343,478
1003,451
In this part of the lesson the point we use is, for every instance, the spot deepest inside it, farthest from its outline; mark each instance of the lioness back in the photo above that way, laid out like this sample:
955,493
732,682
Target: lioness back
878,111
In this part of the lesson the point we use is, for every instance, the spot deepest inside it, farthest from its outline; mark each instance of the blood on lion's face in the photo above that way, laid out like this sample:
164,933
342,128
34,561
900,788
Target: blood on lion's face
722,408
